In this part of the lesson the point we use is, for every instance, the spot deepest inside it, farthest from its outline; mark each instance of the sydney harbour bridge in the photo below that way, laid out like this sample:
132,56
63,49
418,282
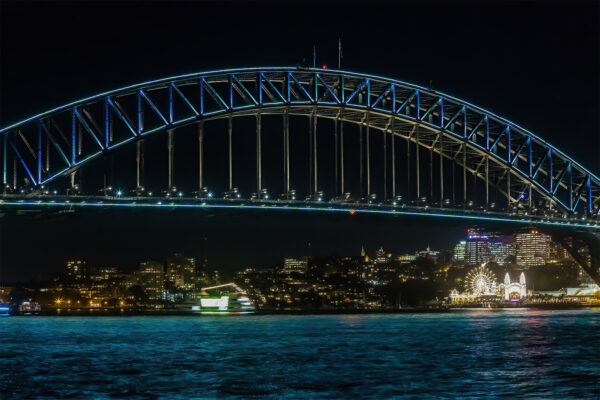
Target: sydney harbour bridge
344,142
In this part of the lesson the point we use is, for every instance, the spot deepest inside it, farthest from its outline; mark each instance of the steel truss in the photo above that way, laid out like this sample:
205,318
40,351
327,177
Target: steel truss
529,172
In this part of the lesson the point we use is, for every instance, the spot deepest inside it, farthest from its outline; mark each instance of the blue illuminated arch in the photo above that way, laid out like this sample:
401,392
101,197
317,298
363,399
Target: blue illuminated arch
331,93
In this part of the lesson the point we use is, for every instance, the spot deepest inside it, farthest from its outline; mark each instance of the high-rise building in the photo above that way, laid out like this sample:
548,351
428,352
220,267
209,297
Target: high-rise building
104,273
294,265
181,271
381,257
459,251
150,276
558,252
477,247
501,248
532,248
77,269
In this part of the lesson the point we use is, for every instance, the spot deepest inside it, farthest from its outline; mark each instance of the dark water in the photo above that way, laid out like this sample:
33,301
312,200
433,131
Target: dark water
466,355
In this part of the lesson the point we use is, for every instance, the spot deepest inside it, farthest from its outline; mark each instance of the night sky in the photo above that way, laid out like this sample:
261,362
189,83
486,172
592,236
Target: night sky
535,64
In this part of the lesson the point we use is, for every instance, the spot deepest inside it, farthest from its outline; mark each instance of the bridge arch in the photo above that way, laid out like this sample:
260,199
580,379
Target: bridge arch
505,156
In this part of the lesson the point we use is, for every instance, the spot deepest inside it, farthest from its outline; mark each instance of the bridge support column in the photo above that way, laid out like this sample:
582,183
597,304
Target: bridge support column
464,176
229,135
393,158
15,175
4,164
171,152
258,154
487,182
453,183
368,134
385,182
431,173
286,151
79,139
200,156
360,149
314,150
342,156
508,202
418,162
139,165
335,159
441,172
408,168
310,153
47,154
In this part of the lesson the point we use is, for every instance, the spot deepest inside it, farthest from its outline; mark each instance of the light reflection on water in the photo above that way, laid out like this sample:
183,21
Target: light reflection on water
468,355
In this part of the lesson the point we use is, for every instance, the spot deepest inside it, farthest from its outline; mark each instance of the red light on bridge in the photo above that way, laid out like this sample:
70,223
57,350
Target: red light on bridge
324,66
352,212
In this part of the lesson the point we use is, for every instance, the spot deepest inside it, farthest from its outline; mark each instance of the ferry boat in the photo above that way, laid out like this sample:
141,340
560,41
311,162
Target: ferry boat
29,308
228,298
4,310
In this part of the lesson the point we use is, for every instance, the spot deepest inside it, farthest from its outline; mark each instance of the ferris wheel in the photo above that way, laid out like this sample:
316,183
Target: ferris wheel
480,281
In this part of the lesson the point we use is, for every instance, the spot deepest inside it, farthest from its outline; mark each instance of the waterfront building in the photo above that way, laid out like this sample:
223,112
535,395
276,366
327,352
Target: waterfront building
294,265
514,291
381,257
428,253
558,252
5,293
104,273
407,258
532,248
77,269
584,290
459,251
181,271
216,276
501,248
150,276
477,247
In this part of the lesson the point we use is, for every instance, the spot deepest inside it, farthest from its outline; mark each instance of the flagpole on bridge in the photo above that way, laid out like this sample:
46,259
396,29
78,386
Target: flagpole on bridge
339,53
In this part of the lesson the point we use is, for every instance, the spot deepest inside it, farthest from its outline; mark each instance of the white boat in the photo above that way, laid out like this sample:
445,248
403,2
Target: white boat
228,298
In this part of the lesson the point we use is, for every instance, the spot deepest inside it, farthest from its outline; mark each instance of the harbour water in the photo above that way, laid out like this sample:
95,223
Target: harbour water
519,353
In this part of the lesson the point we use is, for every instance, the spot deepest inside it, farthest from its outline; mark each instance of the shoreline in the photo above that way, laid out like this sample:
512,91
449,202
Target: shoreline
172,312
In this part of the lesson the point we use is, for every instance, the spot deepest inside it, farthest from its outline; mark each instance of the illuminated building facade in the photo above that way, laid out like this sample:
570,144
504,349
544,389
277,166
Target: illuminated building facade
428,253
181,271
406,258
558,251
532,248
501,248
381,257
459,251
294,265
104,273
514,291
77,269
150,276
477,248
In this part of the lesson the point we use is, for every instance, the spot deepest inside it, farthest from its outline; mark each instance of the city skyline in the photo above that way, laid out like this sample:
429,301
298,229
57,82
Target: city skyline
524,249
362,280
